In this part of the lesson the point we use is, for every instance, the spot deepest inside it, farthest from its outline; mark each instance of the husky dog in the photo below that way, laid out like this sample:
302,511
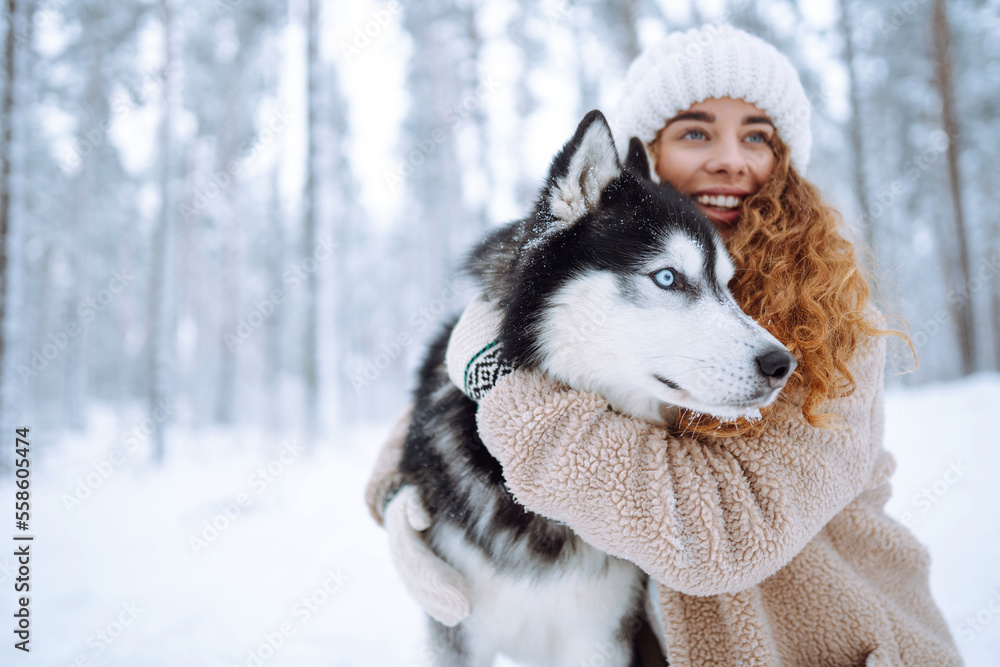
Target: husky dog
617,285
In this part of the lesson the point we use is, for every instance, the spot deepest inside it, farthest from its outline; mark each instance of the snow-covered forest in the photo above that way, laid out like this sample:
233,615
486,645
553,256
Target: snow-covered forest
228,228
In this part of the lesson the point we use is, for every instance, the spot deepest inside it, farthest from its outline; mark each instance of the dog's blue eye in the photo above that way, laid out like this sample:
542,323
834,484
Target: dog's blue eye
664,278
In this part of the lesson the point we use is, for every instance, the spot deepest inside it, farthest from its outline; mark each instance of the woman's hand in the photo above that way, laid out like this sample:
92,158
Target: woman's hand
436,586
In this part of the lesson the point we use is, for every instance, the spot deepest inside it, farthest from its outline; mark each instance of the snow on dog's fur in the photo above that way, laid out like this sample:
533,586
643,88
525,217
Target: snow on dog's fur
616,285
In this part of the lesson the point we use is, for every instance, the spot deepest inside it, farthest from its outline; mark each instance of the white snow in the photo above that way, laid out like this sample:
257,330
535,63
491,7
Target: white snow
121,562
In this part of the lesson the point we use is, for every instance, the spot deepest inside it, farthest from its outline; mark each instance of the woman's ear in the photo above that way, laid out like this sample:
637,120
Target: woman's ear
637,160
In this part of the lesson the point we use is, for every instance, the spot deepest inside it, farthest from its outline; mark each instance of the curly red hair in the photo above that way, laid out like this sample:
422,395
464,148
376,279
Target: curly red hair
800,279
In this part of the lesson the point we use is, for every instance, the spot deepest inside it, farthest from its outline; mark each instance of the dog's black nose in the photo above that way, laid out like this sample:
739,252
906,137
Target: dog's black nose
776,364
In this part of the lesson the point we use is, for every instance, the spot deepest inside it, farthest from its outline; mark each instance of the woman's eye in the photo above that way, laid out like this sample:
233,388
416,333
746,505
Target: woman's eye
757,138
665,278
693,134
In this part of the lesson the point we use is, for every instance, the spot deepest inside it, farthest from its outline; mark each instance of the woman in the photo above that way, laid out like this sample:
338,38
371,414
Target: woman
767,539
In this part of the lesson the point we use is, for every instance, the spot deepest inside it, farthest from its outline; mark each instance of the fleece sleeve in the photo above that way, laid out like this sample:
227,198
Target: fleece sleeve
385,477
702,516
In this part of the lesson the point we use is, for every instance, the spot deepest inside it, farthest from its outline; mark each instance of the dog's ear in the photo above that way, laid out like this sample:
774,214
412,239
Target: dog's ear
586,164
637,159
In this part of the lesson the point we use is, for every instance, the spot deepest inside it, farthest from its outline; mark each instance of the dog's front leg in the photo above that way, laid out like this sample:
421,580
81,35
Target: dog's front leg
457,646
611,654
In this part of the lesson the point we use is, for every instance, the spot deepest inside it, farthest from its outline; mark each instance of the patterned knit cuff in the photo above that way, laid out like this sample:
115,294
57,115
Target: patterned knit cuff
473,351
484,370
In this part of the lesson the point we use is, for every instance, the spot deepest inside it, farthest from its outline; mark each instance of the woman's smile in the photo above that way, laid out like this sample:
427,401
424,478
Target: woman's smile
722,205
718,152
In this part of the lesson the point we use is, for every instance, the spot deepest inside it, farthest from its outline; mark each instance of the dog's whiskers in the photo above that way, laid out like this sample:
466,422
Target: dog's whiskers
678,356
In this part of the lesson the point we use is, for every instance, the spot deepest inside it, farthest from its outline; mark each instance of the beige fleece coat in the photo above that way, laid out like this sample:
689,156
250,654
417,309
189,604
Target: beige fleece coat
773,550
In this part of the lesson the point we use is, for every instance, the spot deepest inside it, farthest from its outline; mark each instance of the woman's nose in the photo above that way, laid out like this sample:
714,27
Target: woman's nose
727,157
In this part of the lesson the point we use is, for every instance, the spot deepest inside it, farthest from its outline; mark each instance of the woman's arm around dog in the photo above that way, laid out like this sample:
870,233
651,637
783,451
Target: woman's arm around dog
702,516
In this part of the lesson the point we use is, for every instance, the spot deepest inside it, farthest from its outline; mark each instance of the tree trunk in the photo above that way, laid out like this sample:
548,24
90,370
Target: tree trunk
960,273
861,193
229,232
586,81
345,215
995,295
275,259
630,35
310,356
84,186
6,119
481,119
526,102
160,337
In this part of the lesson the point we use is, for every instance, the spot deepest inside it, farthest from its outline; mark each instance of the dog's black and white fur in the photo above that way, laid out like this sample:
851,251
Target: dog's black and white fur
614,284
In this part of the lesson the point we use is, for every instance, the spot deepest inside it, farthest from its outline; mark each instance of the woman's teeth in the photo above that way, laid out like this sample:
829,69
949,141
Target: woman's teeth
720,201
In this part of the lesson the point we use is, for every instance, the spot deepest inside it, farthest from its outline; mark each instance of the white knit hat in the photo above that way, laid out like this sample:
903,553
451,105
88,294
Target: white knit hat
685,68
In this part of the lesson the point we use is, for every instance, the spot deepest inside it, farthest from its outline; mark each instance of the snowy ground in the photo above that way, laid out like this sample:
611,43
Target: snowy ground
296,563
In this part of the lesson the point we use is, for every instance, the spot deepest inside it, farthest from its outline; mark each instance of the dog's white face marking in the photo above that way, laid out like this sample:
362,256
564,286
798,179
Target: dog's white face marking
681,253
641,345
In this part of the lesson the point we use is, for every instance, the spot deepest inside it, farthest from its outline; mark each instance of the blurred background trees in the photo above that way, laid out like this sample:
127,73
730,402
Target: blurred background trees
250,211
